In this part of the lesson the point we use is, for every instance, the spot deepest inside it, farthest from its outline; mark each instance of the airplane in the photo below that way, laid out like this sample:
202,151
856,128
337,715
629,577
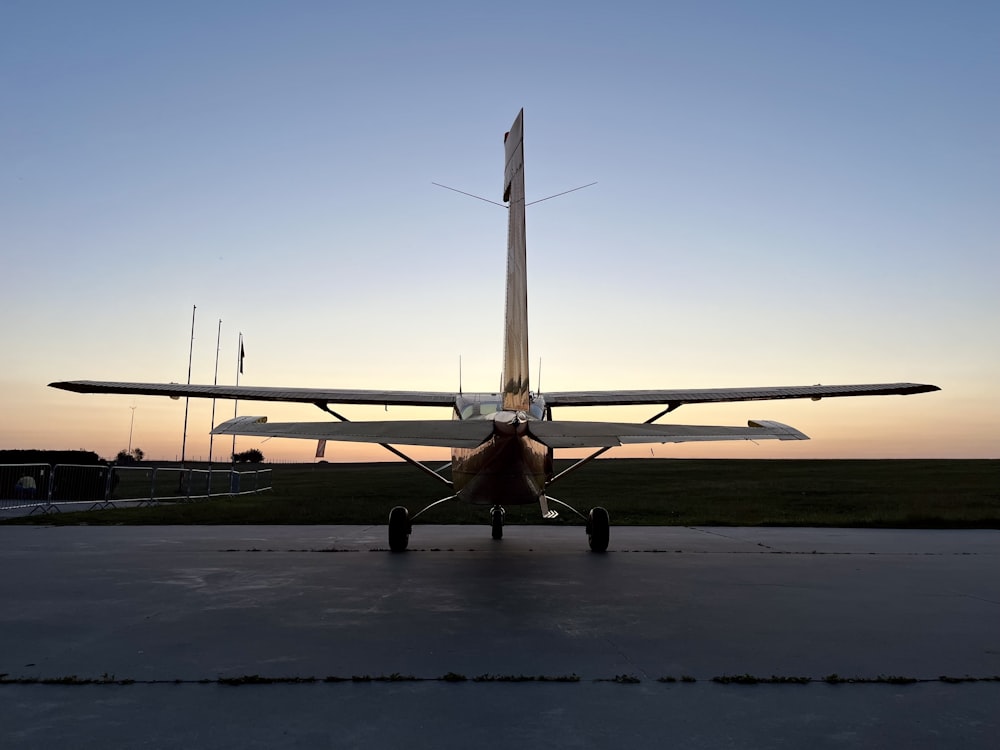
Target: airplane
503,443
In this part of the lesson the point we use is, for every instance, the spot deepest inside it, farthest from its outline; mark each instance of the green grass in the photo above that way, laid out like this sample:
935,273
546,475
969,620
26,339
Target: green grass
893,493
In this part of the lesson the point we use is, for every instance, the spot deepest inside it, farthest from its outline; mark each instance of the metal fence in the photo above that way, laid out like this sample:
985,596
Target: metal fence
41,488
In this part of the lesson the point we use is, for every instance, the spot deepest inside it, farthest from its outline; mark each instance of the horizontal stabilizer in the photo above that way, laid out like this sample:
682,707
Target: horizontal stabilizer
251,393
609,434
682,396
443,433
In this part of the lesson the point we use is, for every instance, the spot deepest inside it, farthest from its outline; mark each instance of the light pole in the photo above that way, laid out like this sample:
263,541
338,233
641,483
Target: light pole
187,399
130,425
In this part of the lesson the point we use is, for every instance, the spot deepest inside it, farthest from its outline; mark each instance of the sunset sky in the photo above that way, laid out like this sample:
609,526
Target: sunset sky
789,193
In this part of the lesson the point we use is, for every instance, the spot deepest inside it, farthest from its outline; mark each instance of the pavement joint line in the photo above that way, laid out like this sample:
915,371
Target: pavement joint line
452,677
653,551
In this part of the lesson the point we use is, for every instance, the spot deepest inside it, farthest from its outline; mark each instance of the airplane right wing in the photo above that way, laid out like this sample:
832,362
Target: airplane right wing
679,397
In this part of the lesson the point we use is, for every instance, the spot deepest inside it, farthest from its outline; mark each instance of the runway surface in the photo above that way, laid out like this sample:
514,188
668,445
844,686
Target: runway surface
134,636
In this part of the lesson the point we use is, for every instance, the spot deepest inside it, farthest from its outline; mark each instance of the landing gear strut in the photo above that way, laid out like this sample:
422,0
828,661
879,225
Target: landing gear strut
496,521
399,528
598,529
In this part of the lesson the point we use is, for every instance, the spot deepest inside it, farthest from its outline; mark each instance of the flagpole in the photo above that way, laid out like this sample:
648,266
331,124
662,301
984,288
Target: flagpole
215,381
239,369
187,399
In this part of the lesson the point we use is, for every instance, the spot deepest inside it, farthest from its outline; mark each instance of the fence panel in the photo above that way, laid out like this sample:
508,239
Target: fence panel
132,483
250,482
169,484
221,481
73,483
23,485
44,488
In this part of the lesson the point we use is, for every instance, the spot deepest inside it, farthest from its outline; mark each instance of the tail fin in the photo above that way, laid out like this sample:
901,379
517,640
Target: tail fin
515,352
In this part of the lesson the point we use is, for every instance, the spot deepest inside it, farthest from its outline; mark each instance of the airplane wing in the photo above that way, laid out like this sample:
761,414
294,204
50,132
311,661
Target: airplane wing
470,433
444,433
252,393
563,434
440,398
679,397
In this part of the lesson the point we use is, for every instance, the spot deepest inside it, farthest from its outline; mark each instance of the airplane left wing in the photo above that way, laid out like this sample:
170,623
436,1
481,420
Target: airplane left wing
252,393
679,397
442,433
564,434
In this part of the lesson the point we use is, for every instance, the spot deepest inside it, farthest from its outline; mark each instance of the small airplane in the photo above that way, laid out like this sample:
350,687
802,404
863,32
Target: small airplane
502,443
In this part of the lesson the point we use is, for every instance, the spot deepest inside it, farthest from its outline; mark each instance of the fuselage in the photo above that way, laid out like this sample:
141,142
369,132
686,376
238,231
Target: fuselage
510,468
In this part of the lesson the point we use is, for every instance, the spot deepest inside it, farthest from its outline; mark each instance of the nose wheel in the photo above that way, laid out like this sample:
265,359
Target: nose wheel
496,521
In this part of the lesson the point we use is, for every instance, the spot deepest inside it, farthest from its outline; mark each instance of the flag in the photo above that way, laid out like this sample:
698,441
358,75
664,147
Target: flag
242,355
320,448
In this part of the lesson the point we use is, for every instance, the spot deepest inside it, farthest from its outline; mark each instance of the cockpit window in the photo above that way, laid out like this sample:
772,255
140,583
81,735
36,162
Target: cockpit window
474,407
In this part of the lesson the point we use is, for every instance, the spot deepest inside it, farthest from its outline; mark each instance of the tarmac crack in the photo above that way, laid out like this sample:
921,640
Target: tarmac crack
725,536
625,657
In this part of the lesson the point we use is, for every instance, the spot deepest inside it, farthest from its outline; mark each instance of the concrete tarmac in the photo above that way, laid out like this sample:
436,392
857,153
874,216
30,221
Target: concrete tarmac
132,636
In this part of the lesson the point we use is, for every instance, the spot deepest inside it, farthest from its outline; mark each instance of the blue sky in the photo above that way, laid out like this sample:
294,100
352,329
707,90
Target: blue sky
788,193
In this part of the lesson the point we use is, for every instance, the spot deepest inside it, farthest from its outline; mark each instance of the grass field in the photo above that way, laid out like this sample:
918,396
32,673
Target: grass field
896,493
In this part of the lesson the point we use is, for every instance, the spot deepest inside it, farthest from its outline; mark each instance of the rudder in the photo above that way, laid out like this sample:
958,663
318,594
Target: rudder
515,360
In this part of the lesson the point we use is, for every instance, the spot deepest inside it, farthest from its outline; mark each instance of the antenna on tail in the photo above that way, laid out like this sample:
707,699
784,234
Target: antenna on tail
504,205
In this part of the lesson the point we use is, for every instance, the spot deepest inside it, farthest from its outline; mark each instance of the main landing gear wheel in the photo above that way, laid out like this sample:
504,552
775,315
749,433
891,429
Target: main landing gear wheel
598,529
399,528
496,521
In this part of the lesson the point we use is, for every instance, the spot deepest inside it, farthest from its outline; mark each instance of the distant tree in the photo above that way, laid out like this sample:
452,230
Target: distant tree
252,456
124,457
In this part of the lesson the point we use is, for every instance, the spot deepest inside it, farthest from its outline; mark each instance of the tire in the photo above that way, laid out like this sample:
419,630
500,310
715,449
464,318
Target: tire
496,523
599,530
399,529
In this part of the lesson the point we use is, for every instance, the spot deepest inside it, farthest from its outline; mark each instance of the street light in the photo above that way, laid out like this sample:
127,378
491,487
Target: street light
130,425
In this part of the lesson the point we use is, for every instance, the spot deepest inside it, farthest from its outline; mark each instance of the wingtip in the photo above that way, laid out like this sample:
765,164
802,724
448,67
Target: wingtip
779,430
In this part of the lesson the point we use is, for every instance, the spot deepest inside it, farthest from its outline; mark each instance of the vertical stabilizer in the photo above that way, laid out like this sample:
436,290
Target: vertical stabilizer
515,348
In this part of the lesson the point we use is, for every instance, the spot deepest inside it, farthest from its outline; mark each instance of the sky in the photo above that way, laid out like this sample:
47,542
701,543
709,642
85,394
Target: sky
788,193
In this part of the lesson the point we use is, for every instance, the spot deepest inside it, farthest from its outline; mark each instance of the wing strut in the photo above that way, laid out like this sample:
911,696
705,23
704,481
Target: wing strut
412,461
601,451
